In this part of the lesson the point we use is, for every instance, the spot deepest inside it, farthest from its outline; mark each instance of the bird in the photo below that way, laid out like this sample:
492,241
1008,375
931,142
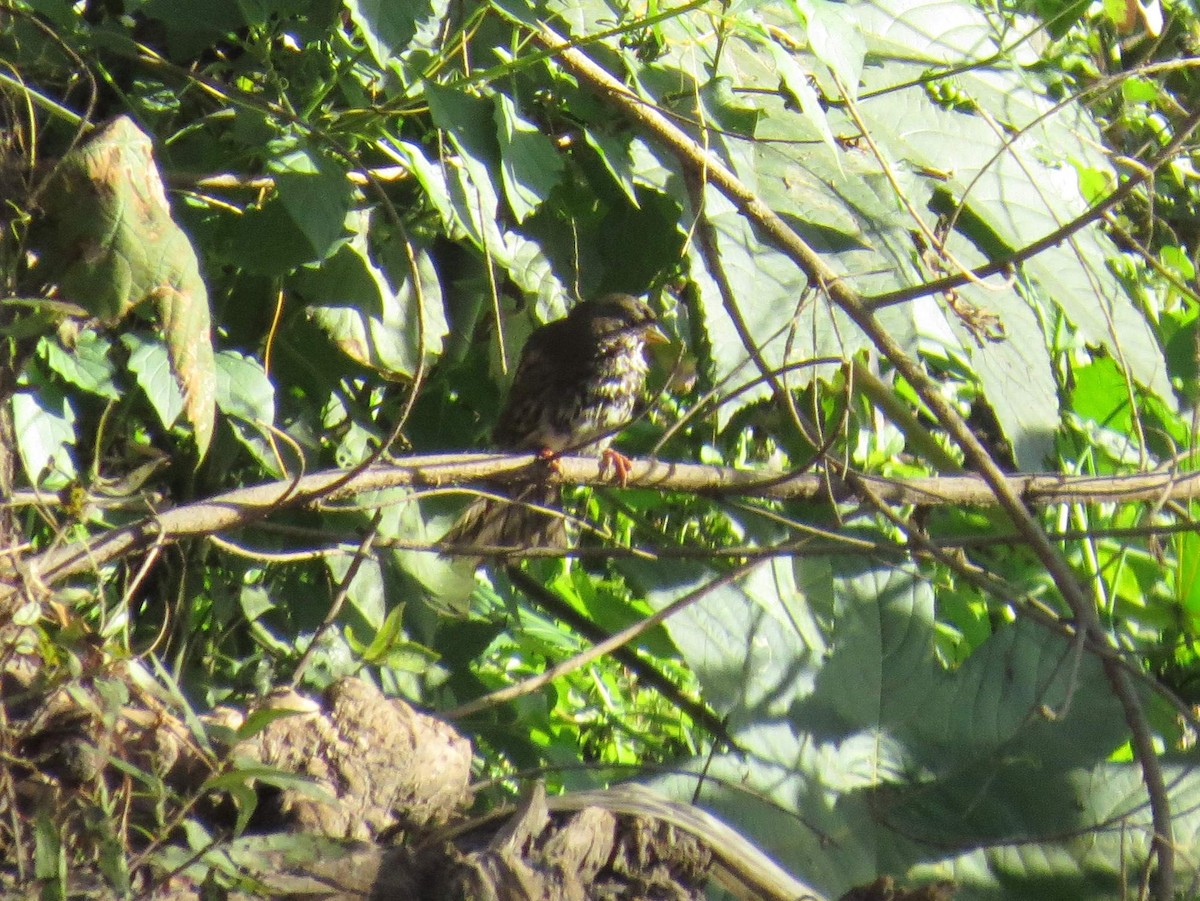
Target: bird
576,385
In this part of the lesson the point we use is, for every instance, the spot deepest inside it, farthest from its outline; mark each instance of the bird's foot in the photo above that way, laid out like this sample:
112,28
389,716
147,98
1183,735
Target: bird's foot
621,465
549,459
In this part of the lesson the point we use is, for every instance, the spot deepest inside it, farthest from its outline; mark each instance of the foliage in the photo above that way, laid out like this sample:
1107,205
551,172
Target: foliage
377,203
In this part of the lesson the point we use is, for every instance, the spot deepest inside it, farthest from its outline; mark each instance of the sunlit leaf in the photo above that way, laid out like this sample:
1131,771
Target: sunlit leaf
115,246
44,423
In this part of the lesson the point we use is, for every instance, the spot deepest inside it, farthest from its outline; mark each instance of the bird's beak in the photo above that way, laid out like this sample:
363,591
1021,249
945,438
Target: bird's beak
655,335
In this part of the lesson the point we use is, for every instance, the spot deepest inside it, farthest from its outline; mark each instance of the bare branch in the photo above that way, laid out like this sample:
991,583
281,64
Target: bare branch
448,472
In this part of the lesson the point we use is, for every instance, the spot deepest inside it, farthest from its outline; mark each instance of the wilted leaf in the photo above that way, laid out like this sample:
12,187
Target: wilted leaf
112,245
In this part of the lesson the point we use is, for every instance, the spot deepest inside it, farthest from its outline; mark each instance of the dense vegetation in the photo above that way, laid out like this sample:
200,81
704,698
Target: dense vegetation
891,240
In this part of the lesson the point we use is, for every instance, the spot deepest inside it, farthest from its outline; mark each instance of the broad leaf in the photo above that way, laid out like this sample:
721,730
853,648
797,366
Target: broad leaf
44,424
530,166
150,364
246,396
315,192
373,308
114,246
387,25
884,762
86,365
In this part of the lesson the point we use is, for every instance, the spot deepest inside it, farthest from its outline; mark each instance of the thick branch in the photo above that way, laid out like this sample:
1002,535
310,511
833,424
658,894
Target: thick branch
244,506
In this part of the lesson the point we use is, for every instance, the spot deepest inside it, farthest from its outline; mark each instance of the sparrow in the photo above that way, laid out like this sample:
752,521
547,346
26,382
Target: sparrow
576,385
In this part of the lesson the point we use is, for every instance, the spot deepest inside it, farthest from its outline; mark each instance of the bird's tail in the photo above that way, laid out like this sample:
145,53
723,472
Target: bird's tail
530,517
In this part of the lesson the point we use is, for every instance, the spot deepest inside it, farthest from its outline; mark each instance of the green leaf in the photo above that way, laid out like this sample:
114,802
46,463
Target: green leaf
471,185
366,593
375,312
151,366
724,106
1101,394
1138,89
430,176
795,79
939,32
314,190
250,771
754,650
86,365
392,649
614,153
243,389
787,324
255,602
261,717
835,38
247,397
1017,377
1018,192
1015,370
50,857
44,423
192,27
530,165
387,25
892,763
1186,576
391,632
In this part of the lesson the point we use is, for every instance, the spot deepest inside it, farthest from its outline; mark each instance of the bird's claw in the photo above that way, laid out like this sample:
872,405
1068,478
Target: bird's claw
549,459
621,465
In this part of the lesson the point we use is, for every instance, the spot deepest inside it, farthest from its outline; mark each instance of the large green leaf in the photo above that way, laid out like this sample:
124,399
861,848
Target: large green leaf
530,166
112,245
1020,195
941,32
754,648
841,207
1011,360
387,25
860,754
471,184
1014,191
372,307
312,187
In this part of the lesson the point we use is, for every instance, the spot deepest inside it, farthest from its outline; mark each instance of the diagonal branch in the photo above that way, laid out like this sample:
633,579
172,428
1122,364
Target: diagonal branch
773,228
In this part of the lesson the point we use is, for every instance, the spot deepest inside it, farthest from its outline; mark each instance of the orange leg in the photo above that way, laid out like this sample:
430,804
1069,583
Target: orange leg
621,465
549,459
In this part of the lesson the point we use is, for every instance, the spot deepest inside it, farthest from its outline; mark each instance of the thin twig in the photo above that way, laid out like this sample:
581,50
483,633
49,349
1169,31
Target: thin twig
598,650
335,609
646,672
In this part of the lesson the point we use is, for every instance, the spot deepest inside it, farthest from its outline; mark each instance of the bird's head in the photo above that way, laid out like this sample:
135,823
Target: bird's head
617,315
